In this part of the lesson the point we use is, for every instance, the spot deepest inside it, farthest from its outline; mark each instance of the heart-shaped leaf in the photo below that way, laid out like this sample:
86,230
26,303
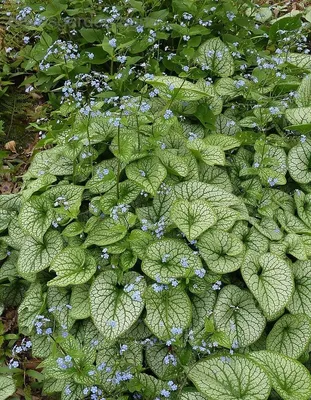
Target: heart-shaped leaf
73,266
192,218
167,310
290,335
270,279
230,378
35,256
215,55
299,161
115,309
289,378
222,251
236,314
300,302
148,173
170,258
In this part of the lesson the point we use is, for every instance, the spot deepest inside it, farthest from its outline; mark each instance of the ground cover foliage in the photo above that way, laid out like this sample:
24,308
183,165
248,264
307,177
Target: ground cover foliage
160,245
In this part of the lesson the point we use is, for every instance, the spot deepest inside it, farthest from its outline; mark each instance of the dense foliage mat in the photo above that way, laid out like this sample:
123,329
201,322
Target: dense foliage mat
161,244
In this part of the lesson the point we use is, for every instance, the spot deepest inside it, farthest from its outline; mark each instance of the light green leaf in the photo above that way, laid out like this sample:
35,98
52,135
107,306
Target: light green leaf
192,395
210,155
303,205
300,60
73,266
222,251
5,219
290,223
139,241
114,310
215,54
303,98
35,256
225,142
79,302
73,229
290,335
192,218
105,231
41,182
155,356
10,202
169,258
36,216
300,302
289,378
148,173
299,162
7,387
234,378
226,87
167,309
268,228
30,307
41,346
291,244
177,88
226,218
174,163
236,314
57,300
193,190
216,176
202,307
270,279
298,116
66,198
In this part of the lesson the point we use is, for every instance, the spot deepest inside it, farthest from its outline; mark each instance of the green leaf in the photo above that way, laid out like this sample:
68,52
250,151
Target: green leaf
270,279
167,309
290,379
236,314
38,184
57,299
177,88
73,266
7,387
211,155
113,309
300,302
30,307
299,60
139,241
222,251
290,335
35,256
70,198
105,231
298,116
5,219
303,98
155,357
216,176
36,217
193,190
148,173
169,258
193,395
299,162
202,307
215,54
192,218
225,142
10,202
79,302
290,223
230,378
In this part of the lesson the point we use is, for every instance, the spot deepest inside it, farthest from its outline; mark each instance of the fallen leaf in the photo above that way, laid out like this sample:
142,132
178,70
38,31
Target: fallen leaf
11,146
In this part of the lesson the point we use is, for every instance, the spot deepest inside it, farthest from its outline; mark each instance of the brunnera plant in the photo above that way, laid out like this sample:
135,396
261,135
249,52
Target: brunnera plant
160,245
